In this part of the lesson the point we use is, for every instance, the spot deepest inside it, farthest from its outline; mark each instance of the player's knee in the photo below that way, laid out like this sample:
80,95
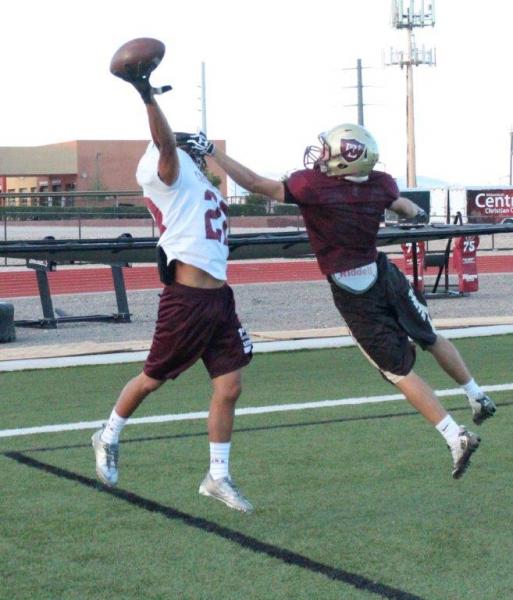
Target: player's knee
230,391
233,391
393,378
149,384
396,365
228,387
439,342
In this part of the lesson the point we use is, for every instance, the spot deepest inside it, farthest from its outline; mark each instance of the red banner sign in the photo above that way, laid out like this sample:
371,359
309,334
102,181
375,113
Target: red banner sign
490,206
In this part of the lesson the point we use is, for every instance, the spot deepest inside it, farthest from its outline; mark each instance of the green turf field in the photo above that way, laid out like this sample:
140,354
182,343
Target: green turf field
352,502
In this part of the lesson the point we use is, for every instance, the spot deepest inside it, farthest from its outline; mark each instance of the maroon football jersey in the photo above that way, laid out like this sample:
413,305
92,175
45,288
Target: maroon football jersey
341,217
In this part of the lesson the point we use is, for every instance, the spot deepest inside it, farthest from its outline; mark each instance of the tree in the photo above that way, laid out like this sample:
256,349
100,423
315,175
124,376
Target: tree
258,200
215,180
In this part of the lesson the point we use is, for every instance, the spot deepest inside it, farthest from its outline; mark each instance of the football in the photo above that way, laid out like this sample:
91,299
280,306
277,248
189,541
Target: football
137,58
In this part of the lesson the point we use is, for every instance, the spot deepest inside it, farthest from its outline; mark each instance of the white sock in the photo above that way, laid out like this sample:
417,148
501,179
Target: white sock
472,390
219,460
115,424
449,429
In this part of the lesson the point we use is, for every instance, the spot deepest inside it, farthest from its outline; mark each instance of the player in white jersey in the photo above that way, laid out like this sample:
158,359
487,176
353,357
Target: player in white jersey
196,316
191,213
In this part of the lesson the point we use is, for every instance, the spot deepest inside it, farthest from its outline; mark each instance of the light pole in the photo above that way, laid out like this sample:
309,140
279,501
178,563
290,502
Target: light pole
408,18
511,157
97,170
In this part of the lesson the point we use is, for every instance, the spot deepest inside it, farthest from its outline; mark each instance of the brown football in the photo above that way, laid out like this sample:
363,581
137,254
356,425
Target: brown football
139,56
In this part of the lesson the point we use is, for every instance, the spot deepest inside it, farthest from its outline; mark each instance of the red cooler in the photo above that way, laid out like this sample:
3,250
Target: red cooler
464,258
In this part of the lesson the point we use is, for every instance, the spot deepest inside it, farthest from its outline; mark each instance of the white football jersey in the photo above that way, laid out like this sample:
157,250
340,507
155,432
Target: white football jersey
190,214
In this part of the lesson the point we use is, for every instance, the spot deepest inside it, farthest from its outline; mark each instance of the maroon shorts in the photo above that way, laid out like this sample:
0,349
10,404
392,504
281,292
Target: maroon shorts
196,323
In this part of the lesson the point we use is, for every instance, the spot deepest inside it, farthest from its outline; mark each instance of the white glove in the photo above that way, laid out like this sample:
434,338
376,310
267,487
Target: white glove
200,144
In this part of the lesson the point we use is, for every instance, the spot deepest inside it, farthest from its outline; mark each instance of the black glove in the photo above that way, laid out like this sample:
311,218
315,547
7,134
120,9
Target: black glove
200,145
421,218
139,77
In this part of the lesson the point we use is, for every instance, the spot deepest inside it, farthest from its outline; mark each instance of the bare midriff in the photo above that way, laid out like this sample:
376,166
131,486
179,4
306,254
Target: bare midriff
194,277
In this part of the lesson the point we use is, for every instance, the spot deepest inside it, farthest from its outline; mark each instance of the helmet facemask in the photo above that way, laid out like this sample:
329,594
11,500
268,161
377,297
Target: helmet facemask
198,158
312,156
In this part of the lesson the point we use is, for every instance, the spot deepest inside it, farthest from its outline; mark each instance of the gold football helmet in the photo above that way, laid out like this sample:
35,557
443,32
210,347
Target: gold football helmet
346,149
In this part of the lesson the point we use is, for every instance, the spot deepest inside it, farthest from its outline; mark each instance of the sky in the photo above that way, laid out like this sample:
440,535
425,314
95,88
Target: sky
278,73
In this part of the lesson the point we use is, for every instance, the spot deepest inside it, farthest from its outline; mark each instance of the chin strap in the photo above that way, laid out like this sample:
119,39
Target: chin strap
357,178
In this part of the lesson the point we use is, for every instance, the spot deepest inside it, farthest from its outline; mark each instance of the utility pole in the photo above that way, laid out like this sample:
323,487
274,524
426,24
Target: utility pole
203,101
359,90
417,13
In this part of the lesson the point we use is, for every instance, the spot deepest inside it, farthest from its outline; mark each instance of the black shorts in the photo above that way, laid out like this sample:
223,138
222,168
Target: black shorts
382,319
196,323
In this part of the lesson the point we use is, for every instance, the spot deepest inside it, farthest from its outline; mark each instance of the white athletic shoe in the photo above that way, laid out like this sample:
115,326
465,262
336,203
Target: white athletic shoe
467,443
107,458
226,491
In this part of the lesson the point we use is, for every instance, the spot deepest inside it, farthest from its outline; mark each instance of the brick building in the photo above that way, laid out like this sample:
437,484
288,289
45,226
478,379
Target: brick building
78,166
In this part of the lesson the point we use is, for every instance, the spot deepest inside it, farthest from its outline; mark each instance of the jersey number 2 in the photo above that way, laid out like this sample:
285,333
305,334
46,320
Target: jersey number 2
211,215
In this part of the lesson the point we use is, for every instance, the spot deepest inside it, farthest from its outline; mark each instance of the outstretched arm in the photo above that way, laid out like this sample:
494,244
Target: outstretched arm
407,209
138,74
164,139
247,178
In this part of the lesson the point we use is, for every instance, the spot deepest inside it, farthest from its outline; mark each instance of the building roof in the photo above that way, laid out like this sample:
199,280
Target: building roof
38,160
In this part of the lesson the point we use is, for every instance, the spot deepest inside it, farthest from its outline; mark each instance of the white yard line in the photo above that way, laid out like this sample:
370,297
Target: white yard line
111,358
252,410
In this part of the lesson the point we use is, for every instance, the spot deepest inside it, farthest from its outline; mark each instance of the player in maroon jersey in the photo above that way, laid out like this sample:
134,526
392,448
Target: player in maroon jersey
342,200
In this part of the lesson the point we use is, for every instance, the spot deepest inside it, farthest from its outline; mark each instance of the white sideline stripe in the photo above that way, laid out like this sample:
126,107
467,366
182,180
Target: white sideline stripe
251,410
258,347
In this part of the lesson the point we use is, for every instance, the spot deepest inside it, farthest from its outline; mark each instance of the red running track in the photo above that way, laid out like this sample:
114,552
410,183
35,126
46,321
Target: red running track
21,283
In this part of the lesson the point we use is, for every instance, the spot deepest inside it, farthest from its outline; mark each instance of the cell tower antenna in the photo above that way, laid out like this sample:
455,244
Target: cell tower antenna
408,15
